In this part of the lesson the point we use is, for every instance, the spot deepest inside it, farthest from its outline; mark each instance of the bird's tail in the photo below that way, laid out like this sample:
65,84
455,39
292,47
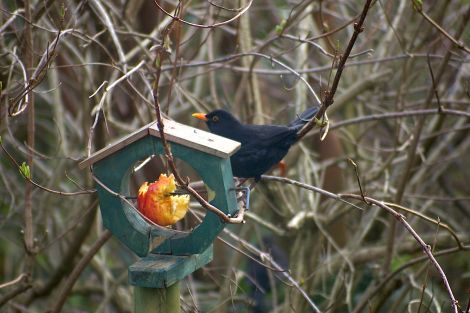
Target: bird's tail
303,118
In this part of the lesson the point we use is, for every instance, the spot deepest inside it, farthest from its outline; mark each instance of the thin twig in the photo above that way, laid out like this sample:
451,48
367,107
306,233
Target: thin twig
36,77
221,63
426,248
106,20
169,156
319,47
234,57
308,187
356,171
372,292
424,217
402,114
274,264
176,18
15,281
123,77
434,85
19,289
11,19
329,95
411,156
398,216
32,182
459,44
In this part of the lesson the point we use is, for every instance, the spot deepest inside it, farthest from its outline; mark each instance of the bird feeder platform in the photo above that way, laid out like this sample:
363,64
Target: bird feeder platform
167,255
160,271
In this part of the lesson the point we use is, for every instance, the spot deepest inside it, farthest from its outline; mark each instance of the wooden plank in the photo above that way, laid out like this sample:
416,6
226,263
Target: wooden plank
115,146
175,132
162,270
197,139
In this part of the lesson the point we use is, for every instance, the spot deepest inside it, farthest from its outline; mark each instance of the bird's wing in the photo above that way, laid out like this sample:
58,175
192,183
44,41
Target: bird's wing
253,159
269,135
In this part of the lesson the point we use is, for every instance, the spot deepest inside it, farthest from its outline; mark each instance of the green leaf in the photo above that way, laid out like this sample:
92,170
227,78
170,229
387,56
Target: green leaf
280,27
62,11
25,171
418,5
167,44
320,122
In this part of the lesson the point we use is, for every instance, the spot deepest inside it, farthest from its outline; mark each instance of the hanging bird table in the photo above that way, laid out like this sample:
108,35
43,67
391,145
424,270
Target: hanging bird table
167,255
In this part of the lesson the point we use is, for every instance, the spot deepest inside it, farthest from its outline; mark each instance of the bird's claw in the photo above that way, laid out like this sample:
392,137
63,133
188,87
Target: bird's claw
246,191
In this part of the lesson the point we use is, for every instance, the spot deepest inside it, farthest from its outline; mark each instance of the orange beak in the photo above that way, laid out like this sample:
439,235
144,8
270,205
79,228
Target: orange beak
200,116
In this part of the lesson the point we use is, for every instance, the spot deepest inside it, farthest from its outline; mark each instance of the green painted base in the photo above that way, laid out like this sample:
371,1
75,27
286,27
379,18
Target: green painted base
160,270
157,300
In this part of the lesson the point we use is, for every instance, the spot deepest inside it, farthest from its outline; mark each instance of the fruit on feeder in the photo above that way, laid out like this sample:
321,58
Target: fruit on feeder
157,202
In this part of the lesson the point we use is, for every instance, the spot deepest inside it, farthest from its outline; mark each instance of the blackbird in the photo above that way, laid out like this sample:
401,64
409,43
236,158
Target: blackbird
262,146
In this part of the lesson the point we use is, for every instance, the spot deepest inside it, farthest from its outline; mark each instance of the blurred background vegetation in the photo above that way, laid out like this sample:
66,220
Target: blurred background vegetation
400,113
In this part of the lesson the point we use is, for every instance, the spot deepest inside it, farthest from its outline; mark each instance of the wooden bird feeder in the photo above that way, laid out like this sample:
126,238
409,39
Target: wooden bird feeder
167,255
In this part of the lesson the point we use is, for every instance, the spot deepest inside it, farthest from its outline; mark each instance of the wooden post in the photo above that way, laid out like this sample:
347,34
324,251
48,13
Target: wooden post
157,300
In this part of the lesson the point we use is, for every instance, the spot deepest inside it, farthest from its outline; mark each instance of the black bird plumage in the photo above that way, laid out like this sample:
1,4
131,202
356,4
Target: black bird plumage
262,146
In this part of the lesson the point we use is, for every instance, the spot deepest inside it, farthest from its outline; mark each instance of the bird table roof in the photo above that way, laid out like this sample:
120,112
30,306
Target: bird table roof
174,132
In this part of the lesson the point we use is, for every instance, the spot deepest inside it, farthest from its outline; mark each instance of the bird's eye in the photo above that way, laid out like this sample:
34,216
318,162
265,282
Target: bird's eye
215,118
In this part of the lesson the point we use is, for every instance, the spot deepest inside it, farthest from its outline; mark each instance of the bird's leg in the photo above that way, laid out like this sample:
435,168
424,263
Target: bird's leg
245,192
